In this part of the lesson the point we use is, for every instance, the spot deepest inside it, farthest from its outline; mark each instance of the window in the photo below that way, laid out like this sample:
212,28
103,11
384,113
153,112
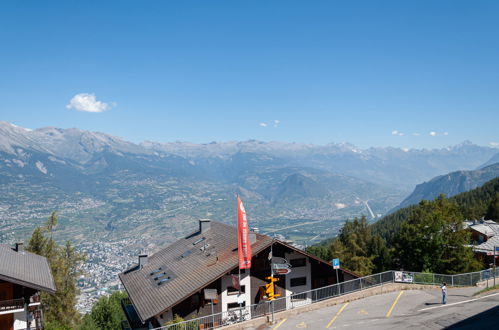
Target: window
163,281
301,262
155,271
298,281
232,291
186,254
163,274
235,305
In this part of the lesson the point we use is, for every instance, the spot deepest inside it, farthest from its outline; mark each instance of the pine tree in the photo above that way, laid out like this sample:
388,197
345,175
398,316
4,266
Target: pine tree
60,308
493,209
106,314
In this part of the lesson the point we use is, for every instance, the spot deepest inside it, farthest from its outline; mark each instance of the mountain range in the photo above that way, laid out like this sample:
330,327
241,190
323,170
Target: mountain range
151,193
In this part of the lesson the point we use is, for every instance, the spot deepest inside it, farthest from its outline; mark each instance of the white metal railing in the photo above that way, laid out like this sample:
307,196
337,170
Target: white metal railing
312,296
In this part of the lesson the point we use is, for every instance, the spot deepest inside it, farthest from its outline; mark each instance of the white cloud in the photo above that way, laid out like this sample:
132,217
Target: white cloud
275,123
87,102
395,132
401,134
446,133
416,134
494,144
433,133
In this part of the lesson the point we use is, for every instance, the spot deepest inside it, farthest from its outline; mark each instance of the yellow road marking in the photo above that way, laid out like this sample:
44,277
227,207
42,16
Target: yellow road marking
394,303
279,324
362,311
337,314
301,325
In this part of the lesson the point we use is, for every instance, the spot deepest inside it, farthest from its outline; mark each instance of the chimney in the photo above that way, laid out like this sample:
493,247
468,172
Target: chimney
19,247
204,225
142,260
252,237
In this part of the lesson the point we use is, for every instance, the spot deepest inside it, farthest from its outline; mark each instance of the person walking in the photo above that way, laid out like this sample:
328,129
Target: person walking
444,292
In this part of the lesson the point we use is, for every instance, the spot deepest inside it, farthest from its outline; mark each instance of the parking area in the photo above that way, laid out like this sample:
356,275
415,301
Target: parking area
395,310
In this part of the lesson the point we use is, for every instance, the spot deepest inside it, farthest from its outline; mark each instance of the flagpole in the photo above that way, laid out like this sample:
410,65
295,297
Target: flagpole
272,275
272,255
239,274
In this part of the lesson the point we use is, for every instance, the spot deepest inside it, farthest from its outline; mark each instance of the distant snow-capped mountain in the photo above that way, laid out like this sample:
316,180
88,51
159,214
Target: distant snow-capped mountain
387,166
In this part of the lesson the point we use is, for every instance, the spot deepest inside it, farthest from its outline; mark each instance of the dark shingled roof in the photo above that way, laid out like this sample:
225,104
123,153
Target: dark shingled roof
26,269
189,263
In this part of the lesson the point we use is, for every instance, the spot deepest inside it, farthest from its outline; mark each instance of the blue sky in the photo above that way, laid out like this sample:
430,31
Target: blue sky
372,73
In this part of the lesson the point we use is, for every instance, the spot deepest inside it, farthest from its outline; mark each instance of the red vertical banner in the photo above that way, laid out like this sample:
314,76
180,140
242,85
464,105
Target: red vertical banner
243,243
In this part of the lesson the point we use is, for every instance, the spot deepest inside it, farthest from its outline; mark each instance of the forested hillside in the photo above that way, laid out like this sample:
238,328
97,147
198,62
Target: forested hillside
451,184
473,204
426,237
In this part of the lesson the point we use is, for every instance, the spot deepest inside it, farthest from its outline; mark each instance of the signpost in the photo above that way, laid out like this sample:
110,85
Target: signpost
336,265
211,294
496,249
280,266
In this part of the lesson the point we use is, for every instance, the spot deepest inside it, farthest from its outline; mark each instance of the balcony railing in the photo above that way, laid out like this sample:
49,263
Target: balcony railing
8,305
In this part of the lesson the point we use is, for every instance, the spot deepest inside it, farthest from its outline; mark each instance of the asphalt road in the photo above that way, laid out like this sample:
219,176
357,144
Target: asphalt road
411,309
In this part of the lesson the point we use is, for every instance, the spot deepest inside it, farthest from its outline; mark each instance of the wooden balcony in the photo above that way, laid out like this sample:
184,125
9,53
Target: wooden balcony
9,305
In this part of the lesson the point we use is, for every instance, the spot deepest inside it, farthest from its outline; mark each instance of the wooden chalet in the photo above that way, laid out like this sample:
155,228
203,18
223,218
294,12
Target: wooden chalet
173,280
23,275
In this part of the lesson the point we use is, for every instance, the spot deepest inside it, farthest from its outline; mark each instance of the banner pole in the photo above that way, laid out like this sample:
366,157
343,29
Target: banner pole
272,276
239,298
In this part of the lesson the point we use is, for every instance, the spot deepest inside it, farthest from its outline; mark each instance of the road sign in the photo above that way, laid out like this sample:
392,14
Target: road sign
336,263
497,248
283,271
281,266
210,294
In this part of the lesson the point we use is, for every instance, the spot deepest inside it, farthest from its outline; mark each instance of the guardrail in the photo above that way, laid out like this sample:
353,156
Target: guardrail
313,296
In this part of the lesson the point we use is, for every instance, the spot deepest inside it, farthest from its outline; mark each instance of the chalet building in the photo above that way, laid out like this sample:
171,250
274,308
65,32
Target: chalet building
23,275
173,281
485,236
